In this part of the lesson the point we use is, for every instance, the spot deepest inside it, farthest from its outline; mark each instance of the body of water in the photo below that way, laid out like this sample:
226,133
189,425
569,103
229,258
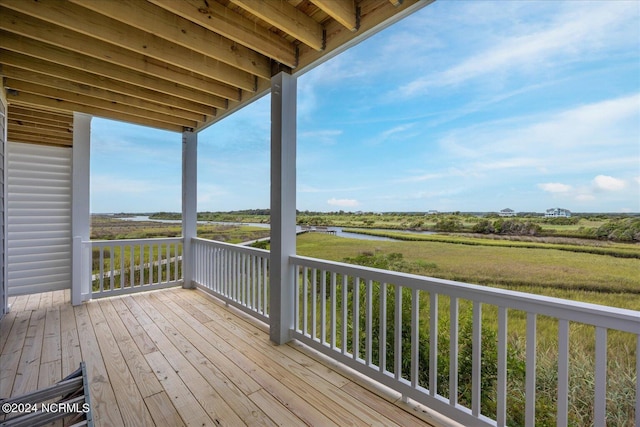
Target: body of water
338,230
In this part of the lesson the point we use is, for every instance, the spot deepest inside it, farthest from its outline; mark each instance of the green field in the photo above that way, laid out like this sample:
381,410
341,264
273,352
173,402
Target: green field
574,275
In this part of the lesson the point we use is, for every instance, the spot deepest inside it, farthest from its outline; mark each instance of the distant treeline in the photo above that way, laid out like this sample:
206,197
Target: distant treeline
620,227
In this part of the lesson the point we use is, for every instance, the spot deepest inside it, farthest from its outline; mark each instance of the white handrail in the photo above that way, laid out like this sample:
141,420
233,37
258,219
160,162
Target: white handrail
134,265
236,274
354,347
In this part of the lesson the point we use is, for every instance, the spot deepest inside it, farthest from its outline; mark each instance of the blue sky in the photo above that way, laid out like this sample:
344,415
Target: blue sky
463,106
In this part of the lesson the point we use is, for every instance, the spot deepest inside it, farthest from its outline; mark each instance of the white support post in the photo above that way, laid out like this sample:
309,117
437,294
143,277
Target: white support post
80,211
189,201
283,206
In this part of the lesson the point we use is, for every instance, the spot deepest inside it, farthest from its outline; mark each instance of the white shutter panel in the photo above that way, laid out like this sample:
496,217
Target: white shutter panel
38,218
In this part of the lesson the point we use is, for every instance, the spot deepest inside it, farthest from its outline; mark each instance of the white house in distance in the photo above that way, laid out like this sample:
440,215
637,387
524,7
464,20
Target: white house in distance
557,213
507,212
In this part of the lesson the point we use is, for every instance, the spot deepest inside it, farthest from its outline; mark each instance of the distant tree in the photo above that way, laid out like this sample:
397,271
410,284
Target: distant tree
449,225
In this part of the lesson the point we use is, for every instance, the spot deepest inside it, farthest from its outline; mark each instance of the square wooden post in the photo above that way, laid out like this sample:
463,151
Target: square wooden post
80,208
189,201
283,206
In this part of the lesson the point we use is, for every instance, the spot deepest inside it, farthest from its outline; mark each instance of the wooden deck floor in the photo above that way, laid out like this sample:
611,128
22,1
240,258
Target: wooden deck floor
179,357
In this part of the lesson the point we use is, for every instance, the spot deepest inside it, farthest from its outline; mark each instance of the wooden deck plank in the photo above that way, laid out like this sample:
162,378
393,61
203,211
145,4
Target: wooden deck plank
51,341
104,406
166,338
131,322
69,342
274,409
186,342
288,398
12,351
18,303
5,328
183,400
302,368
58,298
162,410
132,408
186,359
29,366
203,302
145,379
46,300
49,374
33,302
222,363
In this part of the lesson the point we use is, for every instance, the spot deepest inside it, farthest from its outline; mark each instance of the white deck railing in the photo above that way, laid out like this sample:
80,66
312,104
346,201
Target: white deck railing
445,344
372,320
236,274
134,265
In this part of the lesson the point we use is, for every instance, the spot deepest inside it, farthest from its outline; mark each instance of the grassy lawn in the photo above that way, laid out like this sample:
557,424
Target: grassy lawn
579,276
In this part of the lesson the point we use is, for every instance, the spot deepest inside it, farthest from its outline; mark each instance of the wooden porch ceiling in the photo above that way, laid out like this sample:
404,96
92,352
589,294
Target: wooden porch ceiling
178,357
168,64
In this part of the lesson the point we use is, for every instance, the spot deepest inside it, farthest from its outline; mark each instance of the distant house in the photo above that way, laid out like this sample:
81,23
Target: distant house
433,212
507,212
557,213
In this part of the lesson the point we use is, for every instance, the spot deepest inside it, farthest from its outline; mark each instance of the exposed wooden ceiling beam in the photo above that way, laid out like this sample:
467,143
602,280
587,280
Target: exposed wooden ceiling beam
38,139
395,2
162,23
66,58
371,12
39,130
85,78
287,19
216,17
42,80
343,11
28,99
47,33
16,120
110,31
56,118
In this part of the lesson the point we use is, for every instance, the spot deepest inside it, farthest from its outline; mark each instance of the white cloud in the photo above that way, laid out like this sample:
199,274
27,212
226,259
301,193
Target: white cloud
545,142
326,136
608,183
109,184
399,132
555,187
585,197
347,203
569,35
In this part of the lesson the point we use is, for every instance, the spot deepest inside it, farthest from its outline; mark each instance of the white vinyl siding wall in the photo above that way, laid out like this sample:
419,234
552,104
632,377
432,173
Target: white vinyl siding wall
3,138
38,218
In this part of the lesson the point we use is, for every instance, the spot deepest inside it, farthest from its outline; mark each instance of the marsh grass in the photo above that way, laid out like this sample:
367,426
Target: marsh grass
576,276
596,247
540,270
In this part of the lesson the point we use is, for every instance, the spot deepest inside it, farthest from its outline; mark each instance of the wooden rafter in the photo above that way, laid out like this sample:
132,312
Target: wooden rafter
287,19
47,33
43,101
342,11
64,95
110,32
162,23
215,17
18,79
71,61
14,63
169,64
